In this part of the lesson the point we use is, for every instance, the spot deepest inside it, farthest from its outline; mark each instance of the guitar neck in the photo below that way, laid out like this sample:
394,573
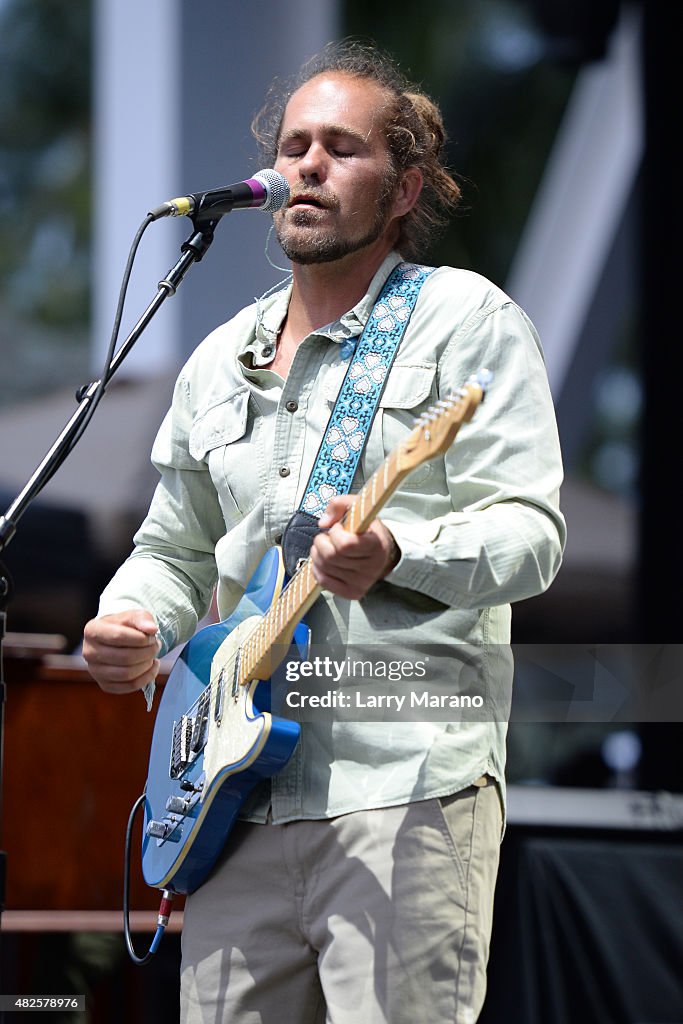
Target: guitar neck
267,645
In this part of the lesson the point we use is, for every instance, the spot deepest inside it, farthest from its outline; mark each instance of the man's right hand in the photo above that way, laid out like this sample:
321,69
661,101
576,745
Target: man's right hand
121,650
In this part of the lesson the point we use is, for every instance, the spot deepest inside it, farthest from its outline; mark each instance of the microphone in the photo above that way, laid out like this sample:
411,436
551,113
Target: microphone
267,190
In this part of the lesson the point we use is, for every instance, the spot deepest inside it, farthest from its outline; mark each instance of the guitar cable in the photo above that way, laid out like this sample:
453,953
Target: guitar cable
165,907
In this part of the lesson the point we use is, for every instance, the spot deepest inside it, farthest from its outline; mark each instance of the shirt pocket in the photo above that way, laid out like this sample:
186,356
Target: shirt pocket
220,437
409,390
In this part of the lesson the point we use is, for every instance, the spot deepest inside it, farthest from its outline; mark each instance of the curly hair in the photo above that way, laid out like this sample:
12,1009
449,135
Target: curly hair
413,129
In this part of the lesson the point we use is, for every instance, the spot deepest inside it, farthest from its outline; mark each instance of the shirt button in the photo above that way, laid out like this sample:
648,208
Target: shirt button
284,470
267,351
292,406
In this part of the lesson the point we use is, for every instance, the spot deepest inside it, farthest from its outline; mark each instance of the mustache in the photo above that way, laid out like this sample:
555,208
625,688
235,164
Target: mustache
316,196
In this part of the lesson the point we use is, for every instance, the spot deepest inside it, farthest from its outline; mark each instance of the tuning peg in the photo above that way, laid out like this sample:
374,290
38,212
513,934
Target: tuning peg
482,378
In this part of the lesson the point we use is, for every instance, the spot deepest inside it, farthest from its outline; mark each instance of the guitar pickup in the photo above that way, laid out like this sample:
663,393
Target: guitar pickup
181,746
200,726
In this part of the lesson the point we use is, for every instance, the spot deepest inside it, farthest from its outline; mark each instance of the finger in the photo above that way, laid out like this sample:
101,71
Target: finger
115,673
347,577
110,685
376,546
327,558
337,543
336,509
347,587
125,657
140,618
349,565
112,632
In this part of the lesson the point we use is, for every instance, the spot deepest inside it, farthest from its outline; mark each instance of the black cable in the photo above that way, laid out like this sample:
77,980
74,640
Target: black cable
126,887
118,316
139,960
104,379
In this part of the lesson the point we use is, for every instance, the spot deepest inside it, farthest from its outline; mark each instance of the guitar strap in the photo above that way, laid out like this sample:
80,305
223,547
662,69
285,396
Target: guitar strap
357,402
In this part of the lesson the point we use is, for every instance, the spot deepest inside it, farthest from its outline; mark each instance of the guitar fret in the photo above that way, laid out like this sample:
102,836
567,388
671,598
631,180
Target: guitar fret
361,502
391,463
276,617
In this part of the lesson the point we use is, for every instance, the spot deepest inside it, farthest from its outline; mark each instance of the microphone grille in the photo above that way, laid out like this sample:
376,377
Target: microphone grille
277,189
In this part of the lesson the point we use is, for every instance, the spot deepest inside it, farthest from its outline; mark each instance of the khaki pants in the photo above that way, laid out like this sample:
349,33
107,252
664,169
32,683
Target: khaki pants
374,917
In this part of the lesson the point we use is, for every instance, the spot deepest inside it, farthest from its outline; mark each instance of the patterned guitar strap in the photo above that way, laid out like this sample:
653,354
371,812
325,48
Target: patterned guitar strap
355,408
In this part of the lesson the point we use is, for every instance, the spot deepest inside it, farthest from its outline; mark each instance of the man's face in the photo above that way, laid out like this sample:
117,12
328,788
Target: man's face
334,155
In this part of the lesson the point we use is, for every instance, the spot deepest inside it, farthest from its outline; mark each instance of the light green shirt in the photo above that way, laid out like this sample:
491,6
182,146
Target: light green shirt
478,528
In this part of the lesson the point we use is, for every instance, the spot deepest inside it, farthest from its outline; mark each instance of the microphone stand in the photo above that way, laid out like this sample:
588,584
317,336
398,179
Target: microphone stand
192,252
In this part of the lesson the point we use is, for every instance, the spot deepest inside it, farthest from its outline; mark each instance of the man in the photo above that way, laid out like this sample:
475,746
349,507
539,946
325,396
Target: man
359,888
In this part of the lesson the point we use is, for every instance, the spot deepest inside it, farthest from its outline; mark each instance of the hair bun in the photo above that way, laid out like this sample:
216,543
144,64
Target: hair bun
430,115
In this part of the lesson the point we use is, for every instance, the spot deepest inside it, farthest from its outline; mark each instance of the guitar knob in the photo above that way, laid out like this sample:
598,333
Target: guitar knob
164,830
157,829
178,804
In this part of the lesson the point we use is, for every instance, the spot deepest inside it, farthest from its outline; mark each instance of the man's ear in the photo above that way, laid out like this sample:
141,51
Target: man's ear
407,191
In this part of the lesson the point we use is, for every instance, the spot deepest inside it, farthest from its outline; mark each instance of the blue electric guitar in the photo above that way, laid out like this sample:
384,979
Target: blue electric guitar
215,737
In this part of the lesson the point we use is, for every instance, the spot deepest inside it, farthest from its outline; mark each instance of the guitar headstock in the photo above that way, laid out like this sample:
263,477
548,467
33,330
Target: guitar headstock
435,430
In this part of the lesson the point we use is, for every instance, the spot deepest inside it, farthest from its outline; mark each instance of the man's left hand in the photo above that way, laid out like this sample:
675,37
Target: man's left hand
349,564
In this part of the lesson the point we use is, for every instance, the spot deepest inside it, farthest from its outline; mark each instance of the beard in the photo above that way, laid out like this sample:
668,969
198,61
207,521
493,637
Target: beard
325,244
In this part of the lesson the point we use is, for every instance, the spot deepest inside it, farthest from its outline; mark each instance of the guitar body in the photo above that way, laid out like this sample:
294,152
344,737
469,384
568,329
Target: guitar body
213,741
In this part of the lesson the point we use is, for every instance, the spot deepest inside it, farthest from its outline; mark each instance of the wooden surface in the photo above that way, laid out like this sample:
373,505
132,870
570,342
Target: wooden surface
44,921
75,762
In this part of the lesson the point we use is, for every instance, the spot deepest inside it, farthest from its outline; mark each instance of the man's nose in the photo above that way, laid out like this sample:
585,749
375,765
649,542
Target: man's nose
314,163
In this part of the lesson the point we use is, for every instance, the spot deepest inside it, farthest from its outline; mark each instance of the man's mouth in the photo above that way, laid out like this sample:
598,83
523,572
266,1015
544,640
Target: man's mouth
308,201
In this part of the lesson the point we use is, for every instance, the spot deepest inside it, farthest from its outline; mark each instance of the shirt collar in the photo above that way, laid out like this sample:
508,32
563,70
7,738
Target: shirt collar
271,310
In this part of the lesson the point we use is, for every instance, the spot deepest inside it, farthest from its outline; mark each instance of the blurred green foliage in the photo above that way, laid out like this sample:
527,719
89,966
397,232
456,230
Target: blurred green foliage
45,102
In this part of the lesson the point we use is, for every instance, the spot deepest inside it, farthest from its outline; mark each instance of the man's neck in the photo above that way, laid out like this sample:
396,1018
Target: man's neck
323,292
